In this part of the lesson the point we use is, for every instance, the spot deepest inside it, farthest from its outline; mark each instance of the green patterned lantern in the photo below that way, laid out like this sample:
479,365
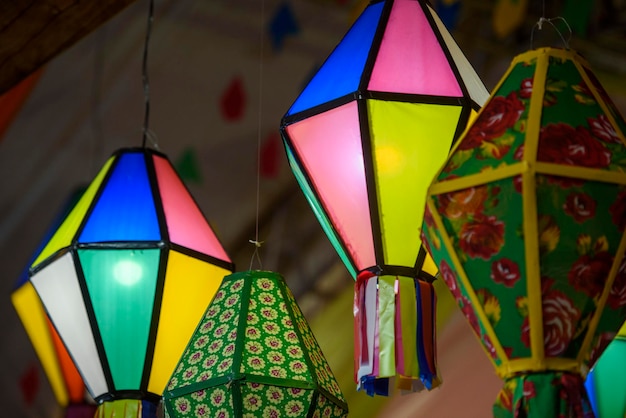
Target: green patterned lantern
253,355
526,223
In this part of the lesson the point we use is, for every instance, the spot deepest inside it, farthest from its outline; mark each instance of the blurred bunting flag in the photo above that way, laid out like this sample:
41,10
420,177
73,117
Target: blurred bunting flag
283,24
187,166
448,11
12,101
270,152
29,384
508,15
577,14
233,100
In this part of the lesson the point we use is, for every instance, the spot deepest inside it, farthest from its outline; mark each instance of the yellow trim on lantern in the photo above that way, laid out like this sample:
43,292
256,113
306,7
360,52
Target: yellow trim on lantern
533,127
593,324
547,51
479,179
529,208
600,100
467,126
578,172
526,365
466,283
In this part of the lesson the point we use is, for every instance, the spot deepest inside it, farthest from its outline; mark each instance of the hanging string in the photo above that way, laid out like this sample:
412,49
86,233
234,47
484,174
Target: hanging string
146,80
96,98
255,241
550,21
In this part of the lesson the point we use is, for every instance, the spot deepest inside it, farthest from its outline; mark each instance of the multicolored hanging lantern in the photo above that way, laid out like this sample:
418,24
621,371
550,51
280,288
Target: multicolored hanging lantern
363,139
606,382
126,278
253,355
67,385
526,221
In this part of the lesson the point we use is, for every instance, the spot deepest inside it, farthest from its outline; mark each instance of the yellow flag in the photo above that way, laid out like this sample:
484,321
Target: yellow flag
508,15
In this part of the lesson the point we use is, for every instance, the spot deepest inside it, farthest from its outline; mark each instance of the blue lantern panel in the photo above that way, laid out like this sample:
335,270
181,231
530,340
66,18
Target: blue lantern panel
341,73
125,210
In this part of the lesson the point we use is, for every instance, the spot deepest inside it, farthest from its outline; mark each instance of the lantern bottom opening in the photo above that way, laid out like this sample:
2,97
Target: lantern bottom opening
127,408
544,394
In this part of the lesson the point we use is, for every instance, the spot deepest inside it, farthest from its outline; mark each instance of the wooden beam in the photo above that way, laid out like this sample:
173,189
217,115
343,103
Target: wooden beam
33,32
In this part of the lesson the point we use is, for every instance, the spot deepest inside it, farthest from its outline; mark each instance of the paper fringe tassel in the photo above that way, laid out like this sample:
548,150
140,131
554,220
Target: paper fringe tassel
394,334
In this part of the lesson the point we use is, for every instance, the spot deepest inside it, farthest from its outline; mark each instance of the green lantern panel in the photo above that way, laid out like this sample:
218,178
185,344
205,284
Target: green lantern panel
606,383
126,279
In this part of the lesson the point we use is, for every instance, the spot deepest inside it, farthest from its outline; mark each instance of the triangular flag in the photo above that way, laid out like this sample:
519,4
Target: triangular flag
283,23
449,11
233,100
29,384
188,168
11,102
270,152
508,15
577,13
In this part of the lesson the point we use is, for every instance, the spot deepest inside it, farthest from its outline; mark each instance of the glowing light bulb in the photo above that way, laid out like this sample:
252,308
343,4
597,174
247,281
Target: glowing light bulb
390,161
127,272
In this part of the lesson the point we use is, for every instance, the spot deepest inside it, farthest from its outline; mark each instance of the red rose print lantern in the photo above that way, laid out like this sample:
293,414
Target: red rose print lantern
253,355
526,222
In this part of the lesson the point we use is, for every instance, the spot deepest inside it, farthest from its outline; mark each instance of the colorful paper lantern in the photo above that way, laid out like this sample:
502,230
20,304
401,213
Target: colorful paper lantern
364,139
526,223
606,382
253,355
126,278
65,381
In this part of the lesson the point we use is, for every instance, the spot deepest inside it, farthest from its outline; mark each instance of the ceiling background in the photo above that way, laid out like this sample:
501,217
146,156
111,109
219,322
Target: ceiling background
220,80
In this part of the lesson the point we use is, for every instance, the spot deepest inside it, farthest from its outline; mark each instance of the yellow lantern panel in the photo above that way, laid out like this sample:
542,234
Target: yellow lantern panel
66,232
409,140
33,316
184,302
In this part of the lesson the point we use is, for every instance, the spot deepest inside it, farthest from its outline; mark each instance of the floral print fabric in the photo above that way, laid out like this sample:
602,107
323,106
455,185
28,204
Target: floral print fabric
558,179
210,353
487,239
580,221
253,355
540,395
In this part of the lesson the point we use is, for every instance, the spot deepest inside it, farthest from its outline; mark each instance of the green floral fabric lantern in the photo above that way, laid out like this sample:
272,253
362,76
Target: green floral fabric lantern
253,355
526,223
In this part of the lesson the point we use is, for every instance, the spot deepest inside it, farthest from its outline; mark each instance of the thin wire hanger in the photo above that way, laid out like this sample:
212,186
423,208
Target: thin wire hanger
257,244
96,99
550,21
147,134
